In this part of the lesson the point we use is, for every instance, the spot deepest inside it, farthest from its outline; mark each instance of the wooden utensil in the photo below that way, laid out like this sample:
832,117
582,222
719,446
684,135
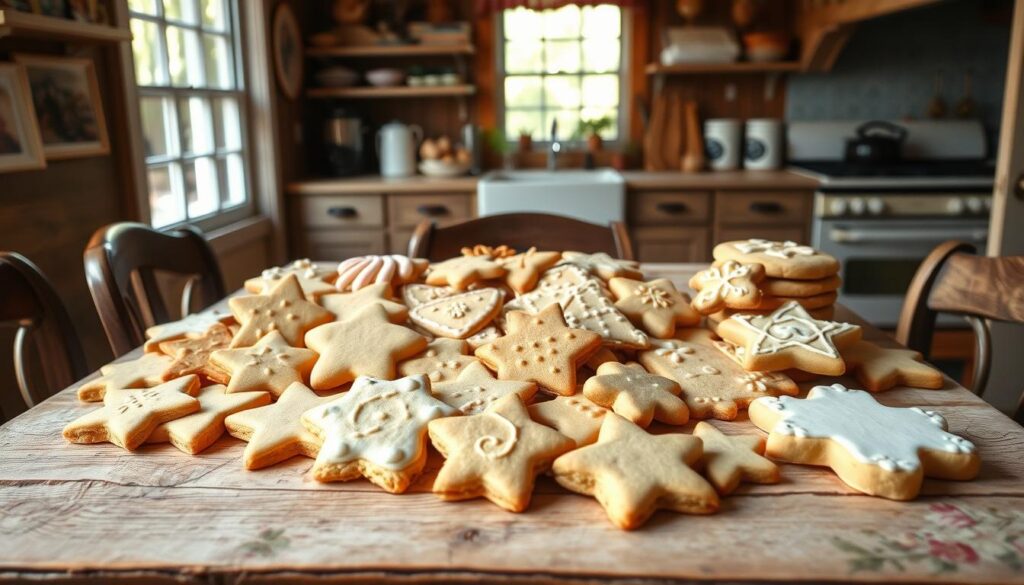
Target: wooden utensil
652,139
672,141
693,160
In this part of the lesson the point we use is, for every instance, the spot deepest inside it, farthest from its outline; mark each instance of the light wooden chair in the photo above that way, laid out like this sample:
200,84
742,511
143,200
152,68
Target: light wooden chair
520,231
29,303
120,265
953,279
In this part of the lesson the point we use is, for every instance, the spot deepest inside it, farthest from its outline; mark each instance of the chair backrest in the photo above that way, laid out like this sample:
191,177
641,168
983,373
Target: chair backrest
120,264
29,303
952,279
520,231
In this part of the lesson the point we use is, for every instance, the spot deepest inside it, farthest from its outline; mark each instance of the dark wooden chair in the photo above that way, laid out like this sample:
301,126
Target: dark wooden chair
120,265
520,231
953,279
29,303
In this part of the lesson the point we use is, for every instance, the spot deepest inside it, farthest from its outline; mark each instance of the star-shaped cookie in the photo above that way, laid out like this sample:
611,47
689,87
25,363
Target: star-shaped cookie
378,430
128,417
283,309
574,416
495,454
315,279
195,323
195,432
275,432
637,395
524,269
345,304
475,389
728,459
790,338
442,360
603,265
271,365
365,344
192,354
655,305
879,368
540,348
462,271
632,473
143,372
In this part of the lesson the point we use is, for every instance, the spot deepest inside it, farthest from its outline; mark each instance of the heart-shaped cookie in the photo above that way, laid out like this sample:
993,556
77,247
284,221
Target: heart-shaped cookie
459,316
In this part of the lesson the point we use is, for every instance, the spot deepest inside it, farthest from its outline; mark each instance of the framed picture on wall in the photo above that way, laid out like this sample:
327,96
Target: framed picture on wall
287,41
20,146
69,111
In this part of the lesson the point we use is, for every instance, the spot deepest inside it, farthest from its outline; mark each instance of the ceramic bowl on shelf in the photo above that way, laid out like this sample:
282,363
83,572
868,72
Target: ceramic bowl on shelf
766,47
337,76
385,77
437,168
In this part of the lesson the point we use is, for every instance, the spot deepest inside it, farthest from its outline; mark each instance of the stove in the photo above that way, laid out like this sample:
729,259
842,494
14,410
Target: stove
880,220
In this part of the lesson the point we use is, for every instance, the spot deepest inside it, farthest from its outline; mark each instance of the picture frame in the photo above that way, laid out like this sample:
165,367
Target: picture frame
68,106
287,48
21,148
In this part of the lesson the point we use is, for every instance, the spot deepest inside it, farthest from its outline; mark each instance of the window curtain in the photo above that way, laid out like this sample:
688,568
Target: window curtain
486,6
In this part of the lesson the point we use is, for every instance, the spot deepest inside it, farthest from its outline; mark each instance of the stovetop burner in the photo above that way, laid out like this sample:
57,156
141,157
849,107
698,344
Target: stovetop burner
901,169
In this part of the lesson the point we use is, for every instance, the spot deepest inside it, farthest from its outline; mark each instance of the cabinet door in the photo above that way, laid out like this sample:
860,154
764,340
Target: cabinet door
669,207
776,233
671,244
334,246
763,207
407,211
329,211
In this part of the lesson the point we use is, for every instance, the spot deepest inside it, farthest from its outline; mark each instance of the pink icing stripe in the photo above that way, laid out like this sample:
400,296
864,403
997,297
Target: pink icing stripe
345,264
387,271
366,275
406,269
345,278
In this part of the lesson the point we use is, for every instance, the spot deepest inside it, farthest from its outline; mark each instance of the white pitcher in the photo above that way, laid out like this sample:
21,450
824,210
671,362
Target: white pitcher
396,149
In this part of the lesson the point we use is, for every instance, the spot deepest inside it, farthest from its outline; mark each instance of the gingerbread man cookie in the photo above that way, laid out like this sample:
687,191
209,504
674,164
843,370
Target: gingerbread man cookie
728,284
875,449
729,459
655,305
637,395
283,309
879,368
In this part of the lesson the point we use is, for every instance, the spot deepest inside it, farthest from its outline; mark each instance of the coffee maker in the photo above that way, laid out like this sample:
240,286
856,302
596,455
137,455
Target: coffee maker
343,143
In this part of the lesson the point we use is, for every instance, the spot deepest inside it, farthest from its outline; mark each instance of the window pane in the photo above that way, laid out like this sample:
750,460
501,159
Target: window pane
600,56
150,68
218,67
525,121
568,122
227,124
165,206
522,24
214,14
144,6
523,92
236,180
562,56
201,187
184,57
181,10
602,22
562,91
611,133
563,23
157,122
523,57
601,90
196,126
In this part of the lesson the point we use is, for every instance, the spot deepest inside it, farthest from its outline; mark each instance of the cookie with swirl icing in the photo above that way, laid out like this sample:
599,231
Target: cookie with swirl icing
788,260
361,271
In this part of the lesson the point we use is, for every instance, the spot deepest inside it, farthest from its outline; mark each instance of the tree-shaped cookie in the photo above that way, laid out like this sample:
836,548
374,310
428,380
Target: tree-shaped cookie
195,432
879,450
495,454
475,389
283,309
632,473
637,395
655,305
879,368
728,459
727,284
271,365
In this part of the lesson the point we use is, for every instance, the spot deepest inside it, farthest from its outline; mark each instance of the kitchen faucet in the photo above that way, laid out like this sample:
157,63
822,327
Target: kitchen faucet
556,147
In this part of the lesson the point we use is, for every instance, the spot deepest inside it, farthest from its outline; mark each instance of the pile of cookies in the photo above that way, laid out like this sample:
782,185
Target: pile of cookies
515,363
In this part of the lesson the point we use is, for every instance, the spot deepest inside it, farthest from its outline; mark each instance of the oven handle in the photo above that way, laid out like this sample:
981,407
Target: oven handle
847,236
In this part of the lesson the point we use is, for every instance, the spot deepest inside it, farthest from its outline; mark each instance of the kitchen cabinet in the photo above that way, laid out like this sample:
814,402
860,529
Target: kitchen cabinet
669,226
771,215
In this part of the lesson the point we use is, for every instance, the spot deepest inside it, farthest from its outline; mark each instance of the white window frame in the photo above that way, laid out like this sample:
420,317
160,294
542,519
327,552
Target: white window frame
565,134
222,217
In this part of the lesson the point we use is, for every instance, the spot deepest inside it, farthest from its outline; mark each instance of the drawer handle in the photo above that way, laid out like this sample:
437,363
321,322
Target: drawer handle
432,210
342,212
673,208
766,207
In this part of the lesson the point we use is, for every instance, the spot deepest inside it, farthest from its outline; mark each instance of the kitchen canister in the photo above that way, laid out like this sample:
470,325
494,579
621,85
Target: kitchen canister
762,147
723,143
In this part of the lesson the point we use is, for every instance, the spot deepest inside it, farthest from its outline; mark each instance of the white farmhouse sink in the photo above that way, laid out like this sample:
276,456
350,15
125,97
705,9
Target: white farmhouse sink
595,196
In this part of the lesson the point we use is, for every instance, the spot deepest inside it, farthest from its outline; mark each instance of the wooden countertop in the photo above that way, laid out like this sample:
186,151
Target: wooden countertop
97,512
638,180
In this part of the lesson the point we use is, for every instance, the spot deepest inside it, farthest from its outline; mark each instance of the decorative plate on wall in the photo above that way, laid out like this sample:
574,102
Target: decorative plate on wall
287,50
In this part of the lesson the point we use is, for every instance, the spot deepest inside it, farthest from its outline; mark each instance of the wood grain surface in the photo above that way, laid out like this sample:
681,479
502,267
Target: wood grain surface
74,512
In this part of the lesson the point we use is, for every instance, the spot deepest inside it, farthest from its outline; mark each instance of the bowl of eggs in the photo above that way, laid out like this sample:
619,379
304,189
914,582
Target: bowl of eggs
441,158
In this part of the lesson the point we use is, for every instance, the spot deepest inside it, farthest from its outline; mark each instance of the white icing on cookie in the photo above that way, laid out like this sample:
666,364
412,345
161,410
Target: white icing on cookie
791,326
717,282
888,437
495,447
784,250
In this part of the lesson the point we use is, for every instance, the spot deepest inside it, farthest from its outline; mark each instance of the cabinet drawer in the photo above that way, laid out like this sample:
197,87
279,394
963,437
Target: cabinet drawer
339,245
342,210
778,234
762,207
671,244
668,207
406,211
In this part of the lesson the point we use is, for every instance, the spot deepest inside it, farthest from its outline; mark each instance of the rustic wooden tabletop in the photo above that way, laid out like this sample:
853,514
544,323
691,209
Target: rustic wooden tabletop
77,513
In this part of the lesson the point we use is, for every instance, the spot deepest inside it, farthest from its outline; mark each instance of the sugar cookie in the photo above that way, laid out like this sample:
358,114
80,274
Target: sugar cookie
194,324
195,432
780,259
344,304
462,271
655,305
524,269
602,265
727,284
769,303
314,279
459,316
192,354
781,287
283,309
271,365
729,459
879,368
441,361
574,416
362,271
637,395
415,295
144,372
475,389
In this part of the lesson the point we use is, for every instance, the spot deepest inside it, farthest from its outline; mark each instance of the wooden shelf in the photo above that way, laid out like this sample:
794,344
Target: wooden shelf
390,92
23,24
739,67
391,51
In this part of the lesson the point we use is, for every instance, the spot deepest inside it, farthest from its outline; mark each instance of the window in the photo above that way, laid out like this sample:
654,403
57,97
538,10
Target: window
191,104
561,65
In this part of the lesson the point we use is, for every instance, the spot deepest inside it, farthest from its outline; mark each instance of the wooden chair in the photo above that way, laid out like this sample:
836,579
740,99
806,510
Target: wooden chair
120,262
29,302
953,279
520,231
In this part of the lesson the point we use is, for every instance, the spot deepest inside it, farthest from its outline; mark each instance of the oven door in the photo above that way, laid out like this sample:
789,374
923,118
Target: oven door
880,257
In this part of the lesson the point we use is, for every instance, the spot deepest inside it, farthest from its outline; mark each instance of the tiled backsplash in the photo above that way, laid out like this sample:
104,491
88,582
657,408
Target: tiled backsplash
886,72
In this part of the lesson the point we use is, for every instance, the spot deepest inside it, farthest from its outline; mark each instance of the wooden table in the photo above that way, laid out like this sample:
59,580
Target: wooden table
157,515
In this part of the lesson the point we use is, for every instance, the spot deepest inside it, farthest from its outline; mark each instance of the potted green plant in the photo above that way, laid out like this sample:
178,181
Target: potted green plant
591,131
525,140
